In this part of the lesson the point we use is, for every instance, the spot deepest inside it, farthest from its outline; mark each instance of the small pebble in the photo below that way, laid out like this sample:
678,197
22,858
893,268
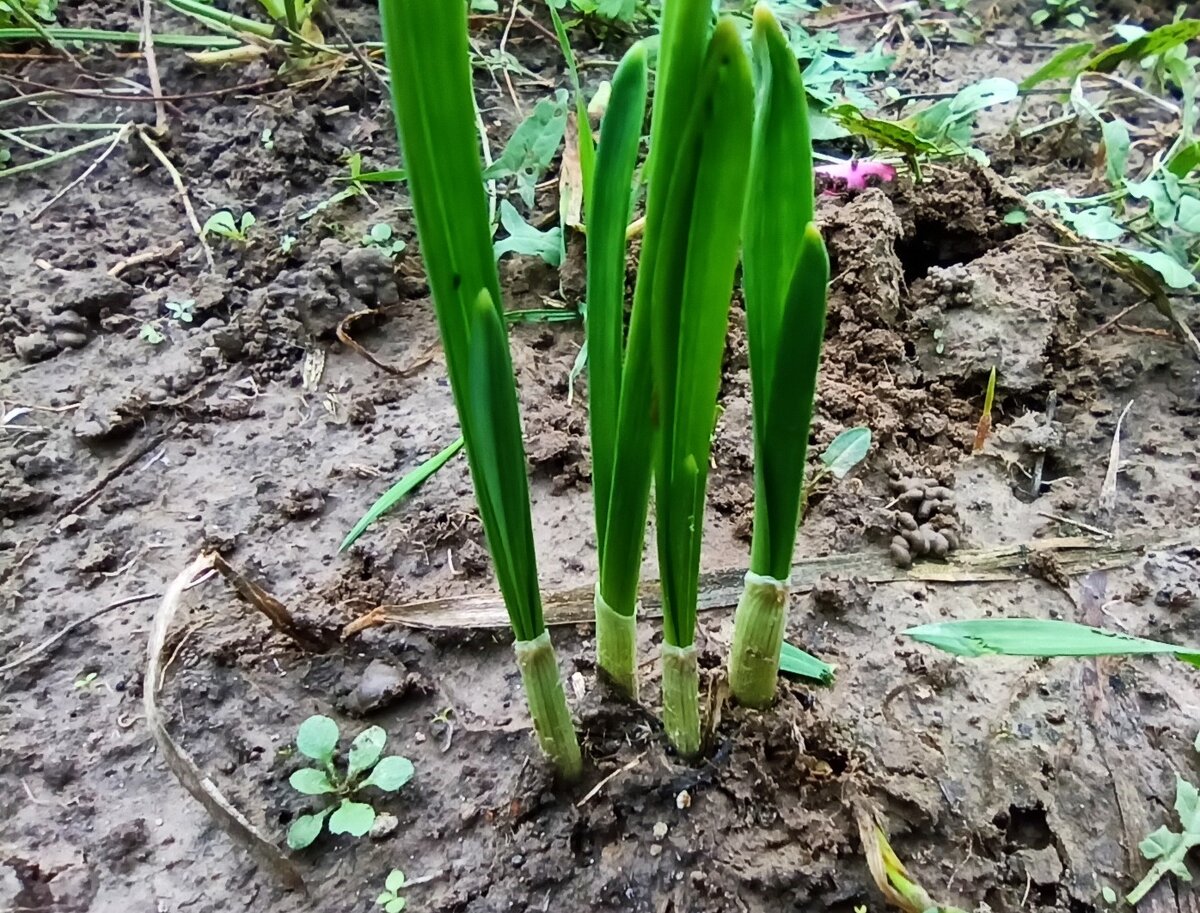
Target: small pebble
655,849
660,830
683,800
385,825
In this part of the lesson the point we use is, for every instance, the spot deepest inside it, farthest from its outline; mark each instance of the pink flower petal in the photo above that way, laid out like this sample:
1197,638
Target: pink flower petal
853,174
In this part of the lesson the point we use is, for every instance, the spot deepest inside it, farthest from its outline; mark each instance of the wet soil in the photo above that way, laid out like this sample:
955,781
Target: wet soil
1005,784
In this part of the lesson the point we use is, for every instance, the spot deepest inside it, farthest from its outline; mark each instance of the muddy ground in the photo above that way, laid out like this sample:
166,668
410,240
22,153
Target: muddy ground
1005,784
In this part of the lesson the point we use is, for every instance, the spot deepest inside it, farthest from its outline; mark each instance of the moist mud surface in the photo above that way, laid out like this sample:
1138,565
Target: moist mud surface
251,429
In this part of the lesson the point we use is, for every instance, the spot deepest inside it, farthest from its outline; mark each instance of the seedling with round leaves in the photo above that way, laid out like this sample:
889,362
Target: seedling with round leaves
390,899
224,224
365,767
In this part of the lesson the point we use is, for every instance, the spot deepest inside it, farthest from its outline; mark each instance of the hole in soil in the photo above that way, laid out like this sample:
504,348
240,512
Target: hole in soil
929,245
1027,827
1052,471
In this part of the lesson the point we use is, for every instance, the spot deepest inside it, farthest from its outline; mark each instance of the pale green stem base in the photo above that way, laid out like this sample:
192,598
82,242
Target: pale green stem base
757,640
616,647
548,705
681,698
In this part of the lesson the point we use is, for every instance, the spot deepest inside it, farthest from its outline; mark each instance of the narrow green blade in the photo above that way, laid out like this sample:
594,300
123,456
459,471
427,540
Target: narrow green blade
398,491
692,290
1042,637
795,661
492,421
608,216
587,145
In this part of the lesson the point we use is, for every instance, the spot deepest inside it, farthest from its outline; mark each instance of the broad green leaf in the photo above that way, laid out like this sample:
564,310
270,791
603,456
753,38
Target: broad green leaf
885,133
390,774
317,738
305,829
1039,637
365,750
220,223
532,146
1116,149
608,216
395,905
1173,273
381,233
395,880
1097,224
311,782
1185,161
1188,216
1066,64
523,238
1152,43
353,818
795,661
1016,217
397,492
846,451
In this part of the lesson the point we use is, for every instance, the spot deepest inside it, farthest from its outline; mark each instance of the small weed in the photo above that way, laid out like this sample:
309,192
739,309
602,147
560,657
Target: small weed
223,223
183,310
844,452
1075,13
317,739
151,334
382,237
89,683
15,13
286,243
267,138
390,899
1167,849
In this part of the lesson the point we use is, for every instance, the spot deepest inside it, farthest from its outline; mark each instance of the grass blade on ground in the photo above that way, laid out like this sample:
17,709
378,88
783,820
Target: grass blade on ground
397,492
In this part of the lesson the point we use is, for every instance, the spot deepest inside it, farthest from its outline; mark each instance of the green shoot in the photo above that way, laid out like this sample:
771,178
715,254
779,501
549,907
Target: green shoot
400,490
1041,637
786,272
700,160
224,224
621,502
984,428
432,95
1167,849
365,767
391,899
839,459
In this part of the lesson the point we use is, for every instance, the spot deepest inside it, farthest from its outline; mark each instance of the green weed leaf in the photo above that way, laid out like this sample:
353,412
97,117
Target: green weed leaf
1066,64
365,750
311,782
1151,44
846,451
532,146
523,238
395,905
795,661
317,738
306,829
353,818
390,774
395,880
1173,273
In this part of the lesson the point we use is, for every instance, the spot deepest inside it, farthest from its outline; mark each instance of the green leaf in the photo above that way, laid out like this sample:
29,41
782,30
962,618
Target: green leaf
1173,273
395,880
1185,161
220,223
1151,44
390,774
353,818
317,738
1188,216
395,905
387,176
1162,842
1097,224
400,490
1116,149
888,134
311,782
795,661
1109,895
1075,19
532,146
365,750
846,451
1039,16
1038,637
693,281
523,238
381,233
1016,217
608,216
305,829
1066,64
